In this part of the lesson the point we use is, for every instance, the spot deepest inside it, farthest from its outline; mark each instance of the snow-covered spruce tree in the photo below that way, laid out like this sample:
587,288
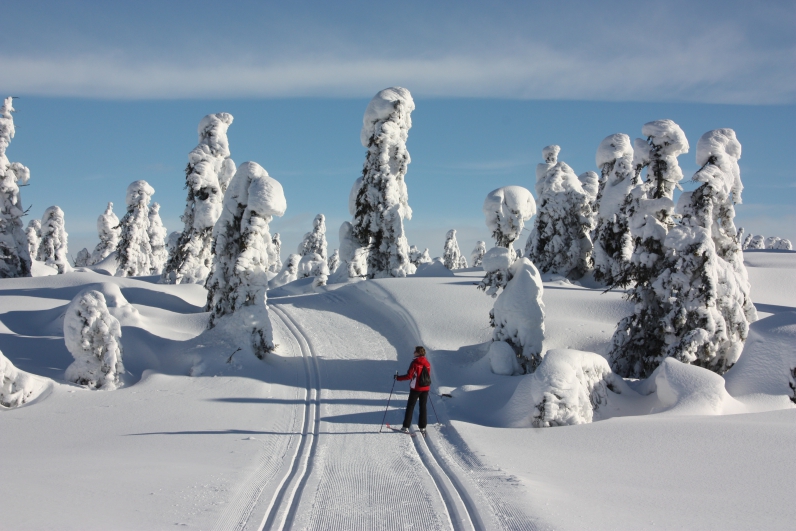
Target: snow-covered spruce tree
93,336
639,341
381,200
417,257
334,261
157,240
703,284
590,182
53,247
207,175
518,314
462,262
134,251
755,241
451,254
777,243
353,258
15,260
16,387
289,272
313,265
506,210
747,241
238,280
171,240
613,243
276,246
33,233
560,241
108,230
315,240
477,256
82,258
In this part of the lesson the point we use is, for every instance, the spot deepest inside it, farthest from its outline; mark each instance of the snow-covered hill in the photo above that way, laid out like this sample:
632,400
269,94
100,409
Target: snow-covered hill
204,437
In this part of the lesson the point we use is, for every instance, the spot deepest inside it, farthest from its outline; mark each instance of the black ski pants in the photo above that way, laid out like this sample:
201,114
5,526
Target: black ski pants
410,408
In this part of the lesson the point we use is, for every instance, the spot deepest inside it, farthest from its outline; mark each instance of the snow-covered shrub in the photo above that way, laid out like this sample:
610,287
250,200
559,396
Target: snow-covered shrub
207,175
93,337
16,387
503,359
703,285
462,262
777,243
496,263
518,314
560,241
639,341
238,280
134,251
381,201
15,260
53,246
33,234
477,256
506,210
417,257
313,265
276,247
289,272
157,240
755,241
613,243
451,254
334,261
108,230
315,240
353,258
82,258
568,387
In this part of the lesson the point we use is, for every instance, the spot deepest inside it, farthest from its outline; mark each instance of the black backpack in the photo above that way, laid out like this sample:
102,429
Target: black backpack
424,380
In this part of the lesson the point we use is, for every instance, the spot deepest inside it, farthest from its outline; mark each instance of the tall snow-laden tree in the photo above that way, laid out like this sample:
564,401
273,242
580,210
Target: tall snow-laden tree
613,243
560,241
134,251
477,256
315,240
506,210
289,272
53,247
518,314
33,234
451,254
93,337
238,280
381,201
82,258
334,261
109,231
207,175
157,240
353,258
15,260
642,334
276,245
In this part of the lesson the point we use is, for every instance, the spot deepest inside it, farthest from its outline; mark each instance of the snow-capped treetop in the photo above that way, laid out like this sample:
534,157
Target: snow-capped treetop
721,147
590,182
256,189
665,142
315,241
7,129
394,104
613,147
139,193
108,224
550,156
213,133
550,153
506,210
496,259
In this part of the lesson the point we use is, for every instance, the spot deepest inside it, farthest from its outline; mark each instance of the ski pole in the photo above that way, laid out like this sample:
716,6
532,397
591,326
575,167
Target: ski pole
430,399
388,403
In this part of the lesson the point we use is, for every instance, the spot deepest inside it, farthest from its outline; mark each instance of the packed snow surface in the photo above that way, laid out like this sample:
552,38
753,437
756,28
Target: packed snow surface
202,435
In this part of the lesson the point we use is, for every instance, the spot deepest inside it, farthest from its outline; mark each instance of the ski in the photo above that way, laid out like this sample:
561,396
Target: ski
409,433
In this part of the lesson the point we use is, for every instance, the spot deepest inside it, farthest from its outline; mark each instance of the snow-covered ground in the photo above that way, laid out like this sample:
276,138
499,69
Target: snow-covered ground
203,437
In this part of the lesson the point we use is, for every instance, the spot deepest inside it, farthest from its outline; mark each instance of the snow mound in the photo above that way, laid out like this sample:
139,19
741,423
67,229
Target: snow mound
768,358
502,359
435,268
566,389
381,107
613,147
18,387
506,210
684,389
668,133
265,194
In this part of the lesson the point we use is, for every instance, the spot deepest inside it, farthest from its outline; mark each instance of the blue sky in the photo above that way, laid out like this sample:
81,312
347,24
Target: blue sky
112,93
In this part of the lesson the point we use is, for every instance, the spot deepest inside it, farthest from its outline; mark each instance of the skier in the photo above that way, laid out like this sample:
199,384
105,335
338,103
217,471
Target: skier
419,376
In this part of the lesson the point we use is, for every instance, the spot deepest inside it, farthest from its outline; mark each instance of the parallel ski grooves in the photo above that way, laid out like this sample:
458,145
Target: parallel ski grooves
282,509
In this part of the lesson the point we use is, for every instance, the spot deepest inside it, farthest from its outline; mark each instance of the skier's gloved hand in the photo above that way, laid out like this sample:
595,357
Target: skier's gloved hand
394,376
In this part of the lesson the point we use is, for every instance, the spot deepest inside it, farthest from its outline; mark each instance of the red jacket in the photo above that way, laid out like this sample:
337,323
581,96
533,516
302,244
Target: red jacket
414,373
